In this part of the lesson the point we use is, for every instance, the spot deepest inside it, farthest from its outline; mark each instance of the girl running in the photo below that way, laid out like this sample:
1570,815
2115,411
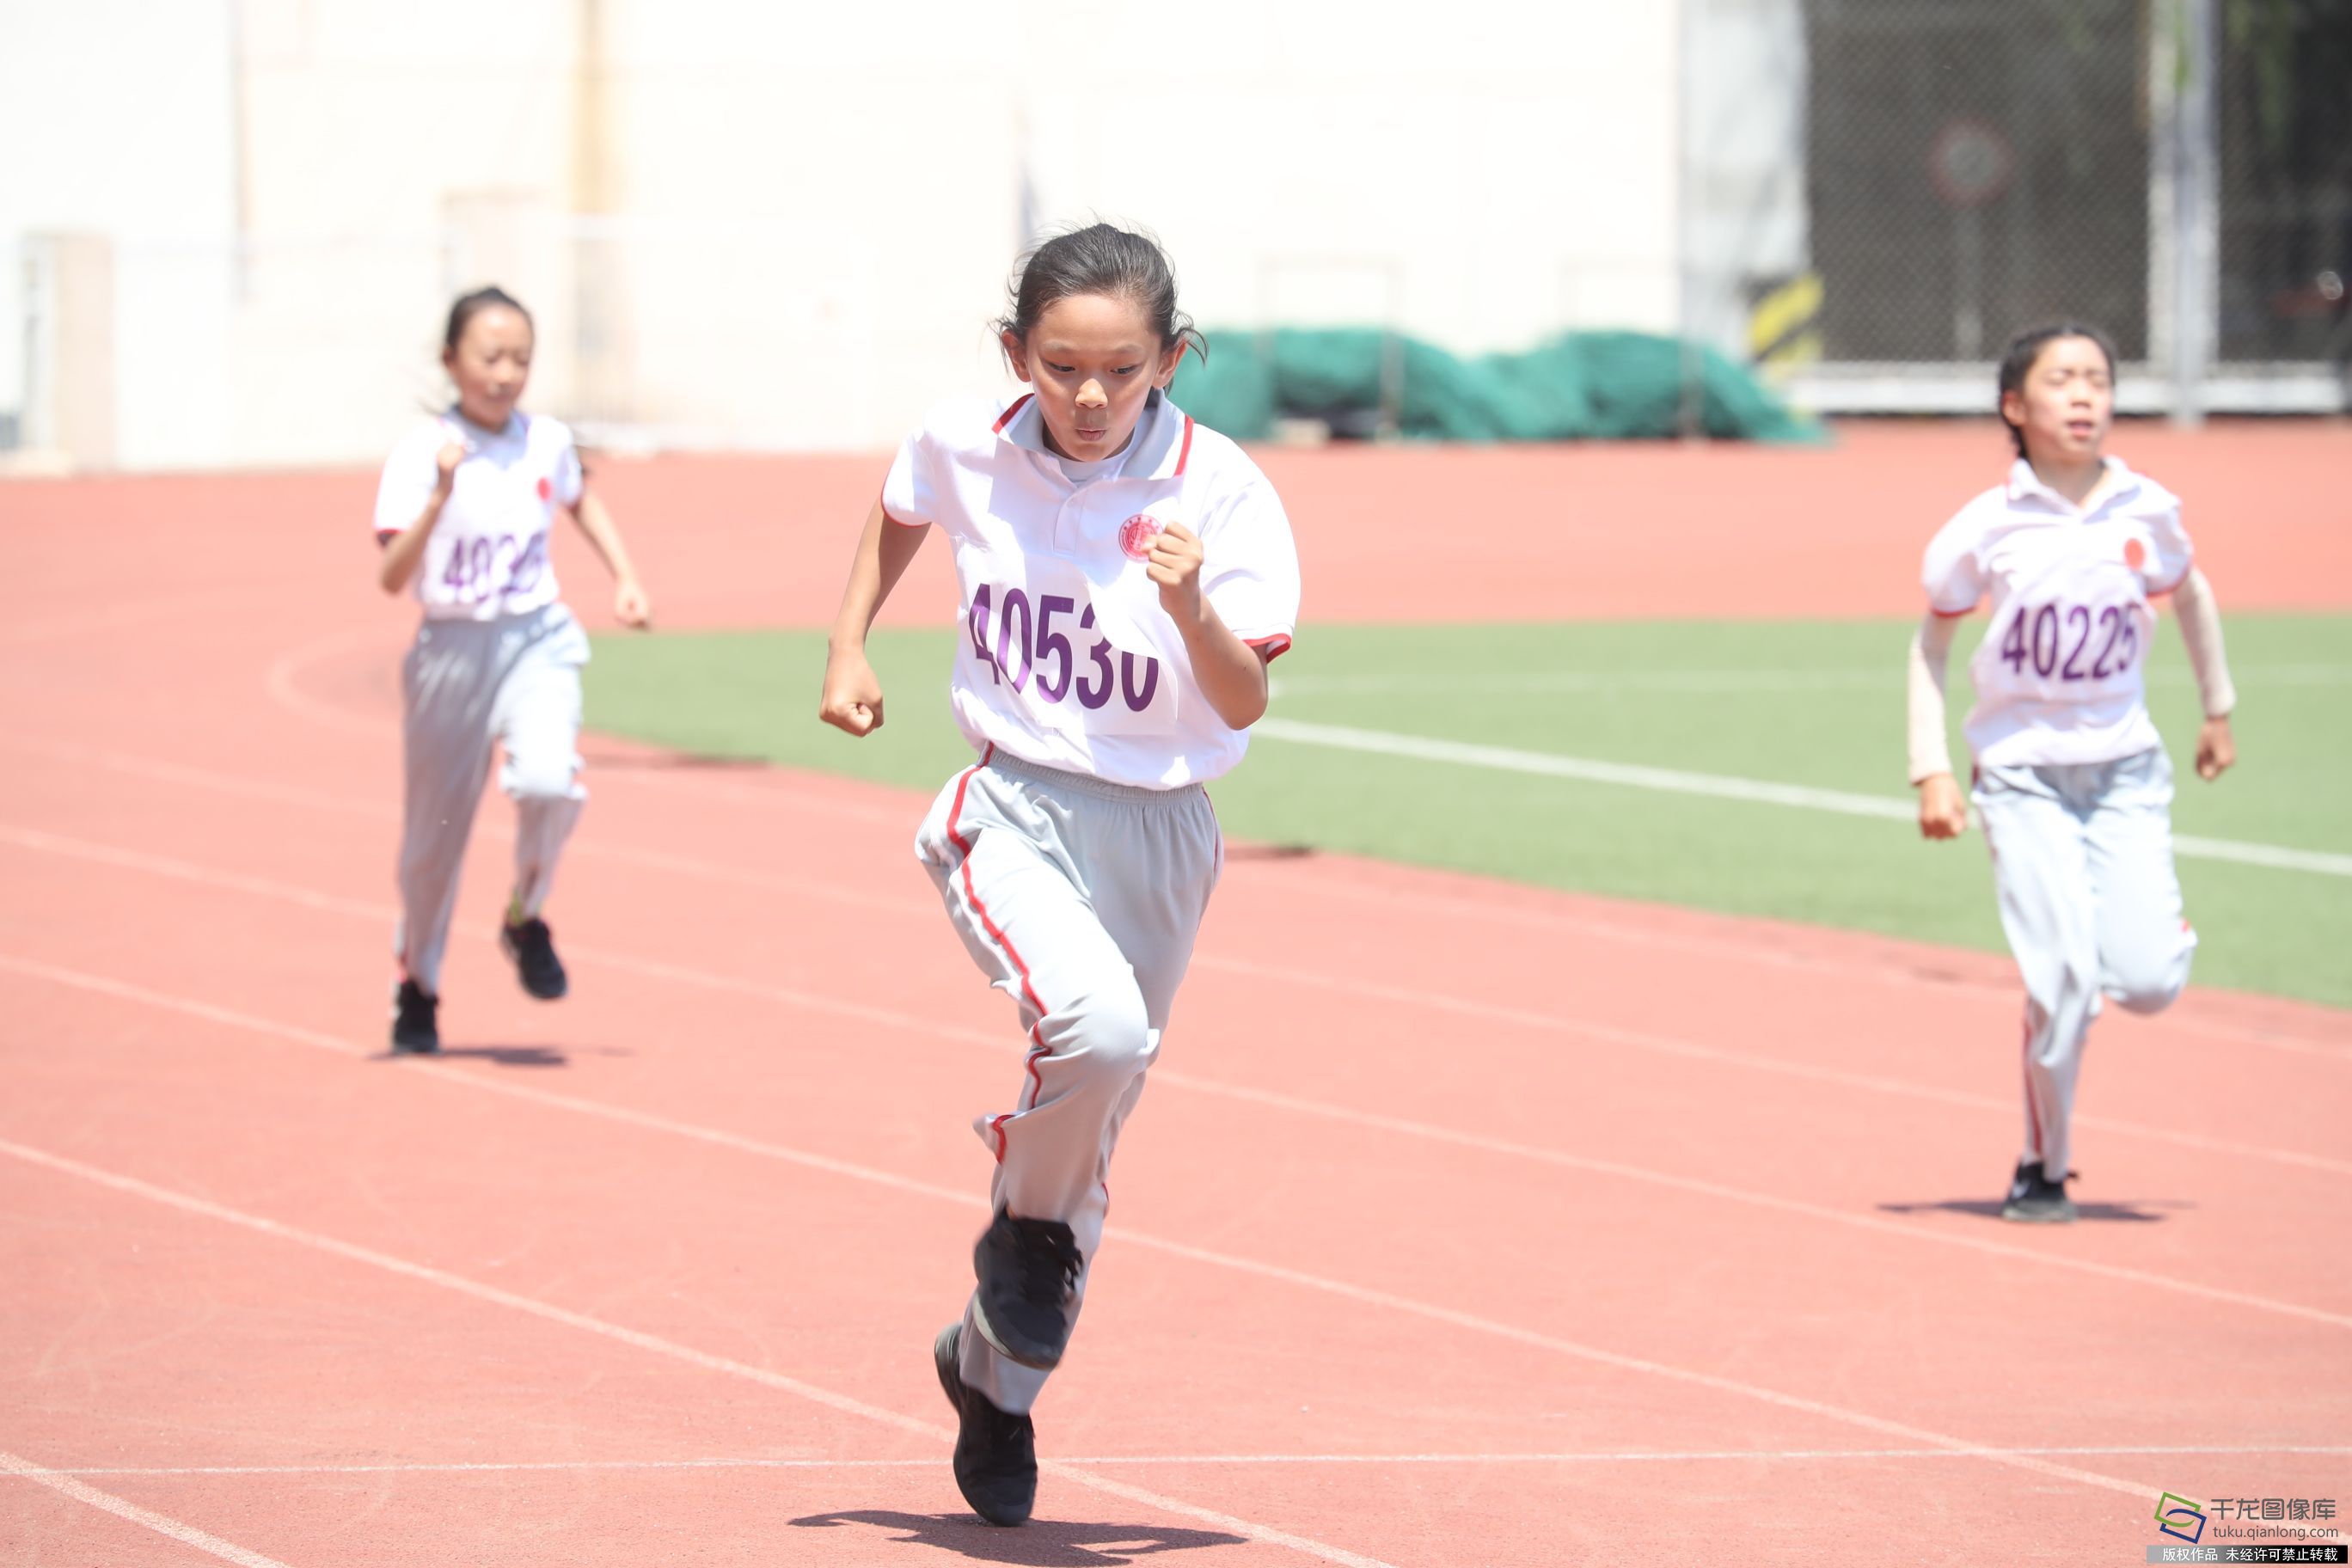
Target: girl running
1124,578
2072,783
463,514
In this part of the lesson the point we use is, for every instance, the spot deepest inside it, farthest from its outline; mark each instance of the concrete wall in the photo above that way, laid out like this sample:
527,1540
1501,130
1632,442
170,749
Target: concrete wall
787,225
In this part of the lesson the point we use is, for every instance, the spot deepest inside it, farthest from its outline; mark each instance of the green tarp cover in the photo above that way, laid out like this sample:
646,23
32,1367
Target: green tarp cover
1579,385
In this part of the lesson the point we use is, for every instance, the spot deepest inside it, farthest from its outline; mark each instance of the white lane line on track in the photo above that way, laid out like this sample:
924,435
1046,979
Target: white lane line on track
66,1484
1156,1461
1373,1120
636,1339
136,860
1721,786
1302,880
1340,1288
450,1073
1713,682
283,682
1711,1382
447,1072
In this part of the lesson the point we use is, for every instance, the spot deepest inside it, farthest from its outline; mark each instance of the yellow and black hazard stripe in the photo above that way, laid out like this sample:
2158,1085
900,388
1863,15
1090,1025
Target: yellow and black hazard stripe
1784,325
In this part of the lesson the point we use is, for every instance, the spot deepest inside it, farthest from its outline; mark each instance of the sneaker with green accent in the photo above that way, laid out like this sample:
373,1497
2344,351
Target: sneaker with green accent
2034,1199
531,946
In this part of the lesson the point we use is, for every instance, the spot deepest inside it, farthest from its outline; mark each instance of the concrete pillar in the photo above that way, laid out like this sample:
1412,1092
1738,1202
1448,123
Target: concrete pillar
70,402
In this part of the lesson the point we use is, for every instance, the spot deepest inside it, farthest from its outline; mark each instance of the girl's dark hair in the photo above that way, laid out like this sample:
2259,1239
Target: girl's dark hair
1100,259
2026,347
469,305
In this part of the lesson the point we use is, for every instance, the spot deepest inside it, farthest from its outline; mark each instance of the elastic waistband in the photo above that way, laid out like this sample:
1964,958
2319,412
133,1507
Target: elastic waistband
524,620
1086,784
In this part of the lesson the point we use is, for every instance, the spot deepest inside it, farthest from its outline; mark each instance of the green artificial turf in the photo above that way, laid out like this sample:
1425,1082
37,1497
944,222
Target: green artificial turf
1817,703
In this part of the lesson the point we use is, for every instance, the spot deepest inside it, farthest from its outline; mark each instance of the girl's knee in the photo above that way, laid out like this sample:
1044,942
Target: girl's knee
2151,990
530,781
2151,979
1109,1028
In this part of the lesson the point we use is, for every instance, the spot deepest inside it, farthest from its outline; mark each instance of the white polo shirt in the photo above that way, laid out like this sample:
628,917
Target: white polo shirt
488,555
1066,657
2061,675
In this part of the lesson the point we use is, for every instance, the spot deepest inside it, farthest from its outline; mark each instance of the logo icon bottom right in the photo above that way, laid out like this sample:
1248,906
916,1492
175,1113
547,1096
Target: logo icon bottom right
2183,1522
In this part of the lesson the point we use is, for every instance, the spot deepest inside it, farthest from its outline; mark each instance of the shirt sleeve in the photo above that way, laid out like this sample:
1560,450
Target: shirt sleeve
1931,649
910,495
571,479
2174,555
1952,572
1250,568
408,478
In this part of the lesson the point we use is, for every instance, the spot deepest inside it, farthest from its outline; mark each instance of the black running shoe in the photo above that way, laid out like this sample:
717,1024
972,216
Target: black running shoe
414,1030
2034,1199
1028,1272
995,1454
533,947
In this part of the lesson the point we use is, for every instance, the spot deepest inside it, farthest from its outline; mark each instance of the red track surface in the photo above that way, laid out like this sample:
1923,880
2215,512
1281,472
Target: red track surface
1465,1223
1436,534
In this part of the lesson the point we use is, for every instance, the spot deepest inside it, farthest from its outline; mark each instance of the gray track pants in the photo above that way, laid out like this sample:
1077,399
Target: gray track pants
468,685
2082,861
1080,900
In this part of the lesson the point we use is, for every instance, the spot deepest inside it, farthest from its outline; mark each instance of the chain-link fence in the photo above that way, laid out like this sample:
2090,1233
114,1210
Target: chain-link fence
2286,215
2178,171
1972,165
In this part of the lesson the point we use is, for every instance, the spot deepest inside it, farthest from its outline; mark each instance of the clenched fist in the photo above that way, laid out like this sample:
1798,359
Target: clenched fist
1175,564
853,693
1943,810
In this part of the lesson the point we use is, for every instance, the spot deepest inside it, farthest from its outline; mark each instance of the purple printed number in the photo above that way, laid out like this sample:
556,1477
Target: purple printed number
2078,620
2045,649
1054,644
529,565
1047,653
485,567
2118,622
1096,693
1014,599
977,624
1137,701
2055,638
470,560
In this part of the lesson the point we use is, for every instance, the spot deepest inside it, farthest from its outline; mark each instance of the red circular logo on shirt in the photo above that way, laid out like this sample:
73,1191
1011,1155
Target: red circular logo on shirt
546,488
2135,554
1136,534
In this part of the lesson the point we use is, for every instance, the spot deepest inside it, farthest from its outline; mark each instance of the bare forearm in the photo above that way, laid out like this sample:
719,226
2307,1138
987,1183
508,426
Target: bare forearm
884,551
605,537
1230,672
2200,631
404,551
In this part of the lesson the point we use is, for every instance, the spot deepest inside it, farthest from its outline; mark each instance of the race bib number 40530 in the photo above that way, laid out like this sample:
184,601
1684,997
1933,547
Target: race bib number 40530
1048,649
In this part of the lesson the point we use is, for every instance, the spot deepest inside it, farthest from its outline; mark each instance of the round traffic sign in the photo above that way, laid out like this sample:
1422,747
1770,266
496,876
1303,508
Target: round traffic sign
1970,162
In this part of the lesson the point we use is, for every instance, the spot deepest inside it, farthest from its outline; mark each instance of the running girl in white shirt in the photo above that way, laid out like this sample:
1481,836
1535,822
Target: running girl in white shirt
2071,779
463,515
1125,577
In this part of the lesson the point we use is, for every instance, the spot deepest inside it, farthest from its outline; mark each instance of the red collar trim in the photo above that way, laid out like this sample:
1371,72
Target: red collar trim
1183,451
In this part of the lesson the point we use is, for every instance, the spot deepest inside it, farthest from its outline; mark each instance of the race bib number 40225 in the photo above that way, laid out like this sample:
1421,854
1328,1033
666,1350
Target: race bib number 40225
2072,643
